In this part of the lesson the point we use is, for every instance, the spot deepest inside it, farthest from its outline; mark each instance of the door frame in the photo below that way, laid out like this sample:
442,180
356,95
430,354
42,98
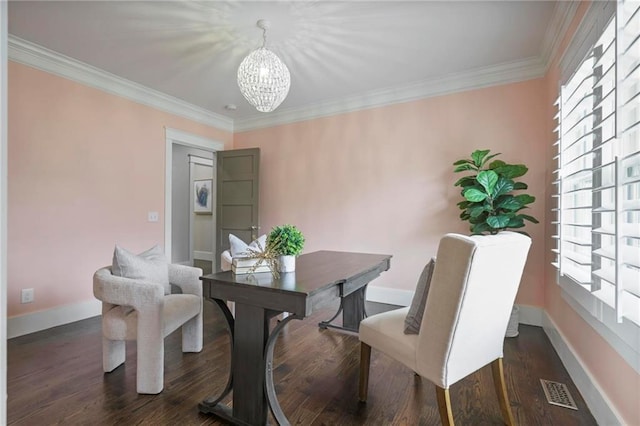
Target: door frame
193,160
179,137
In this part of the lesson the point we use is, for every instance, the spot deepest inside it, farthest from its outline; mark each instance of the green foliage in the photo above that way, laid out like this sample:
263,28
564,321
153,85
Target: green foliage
285,240
489,204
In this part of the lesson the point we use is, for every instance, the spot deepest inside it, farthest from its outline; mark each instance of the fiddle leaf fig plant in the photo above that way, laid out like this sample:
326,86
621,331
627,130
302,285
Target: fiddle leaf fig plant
489,203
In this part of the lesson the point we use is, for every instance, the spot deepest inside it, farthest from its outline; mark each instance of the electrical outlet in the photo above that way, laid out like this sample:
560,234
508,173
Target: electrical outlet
27,295
153,216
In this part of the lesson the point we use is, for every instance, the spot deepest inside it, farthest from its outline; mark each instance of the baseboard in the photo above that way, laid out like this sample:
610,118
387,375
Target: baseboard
42,320
389,296
203,255
596,400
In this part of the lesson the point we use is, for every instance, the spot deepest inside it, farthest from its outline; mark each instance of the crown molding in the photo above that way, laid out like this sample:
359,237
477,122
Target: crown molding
36,56
478,78
563,14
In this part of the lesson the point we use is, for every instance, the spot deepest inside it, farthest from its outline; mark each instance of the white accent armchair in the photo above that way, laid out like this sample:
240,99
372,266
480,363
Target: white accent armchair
139,310
472,291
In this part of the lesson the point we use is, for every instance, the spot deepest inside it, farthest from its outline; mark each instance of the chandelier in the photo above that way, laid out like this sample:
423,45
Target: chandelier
263,78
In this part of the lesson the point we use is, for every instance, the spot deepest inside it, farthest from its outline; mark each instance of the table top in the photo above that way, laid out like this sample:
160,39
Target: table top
315,272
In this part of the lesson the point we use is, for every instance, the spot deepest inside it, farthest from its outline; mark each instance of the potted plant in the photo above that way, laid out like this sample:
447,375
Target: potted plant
489,203
287,242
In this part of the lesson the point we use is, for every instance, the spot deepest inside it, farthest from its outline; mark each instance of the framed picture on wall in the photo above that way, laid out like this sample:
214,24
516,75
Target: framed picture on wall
202,196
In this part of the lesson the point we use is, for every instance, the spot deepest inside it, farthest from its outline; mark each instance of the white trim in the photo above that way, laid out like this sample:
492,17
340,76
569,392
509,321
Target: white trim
389,296
36,56
203,255
475,79
623,337
590,28
194,159
60,315
181,138
3,209
597,401
563,14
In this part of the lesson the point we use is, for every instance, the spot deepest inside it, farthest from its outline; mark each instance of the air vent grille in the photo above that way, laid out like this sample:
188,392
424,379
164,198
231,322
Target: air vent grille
558,394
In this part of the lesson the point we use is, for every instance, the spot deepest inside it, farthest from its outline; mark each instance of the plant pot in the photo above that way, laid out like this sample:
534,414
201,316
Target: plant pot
286,263
514,321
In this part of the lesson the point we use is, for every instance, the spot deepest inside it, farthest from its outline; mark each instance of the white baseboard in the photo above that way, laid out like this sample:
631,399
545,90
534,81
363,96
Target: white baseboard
390,296
203,255
42,320
596,400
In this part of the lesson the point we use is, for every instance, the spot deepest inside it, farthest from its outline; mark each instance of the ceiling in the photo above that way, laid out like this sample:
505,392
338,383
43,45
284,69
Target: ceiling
345,54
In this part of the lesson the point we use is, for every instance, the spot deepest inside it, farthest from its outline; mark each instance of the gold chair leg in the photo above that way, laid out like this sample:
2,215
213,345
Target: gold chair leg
365,361
501,390
444,406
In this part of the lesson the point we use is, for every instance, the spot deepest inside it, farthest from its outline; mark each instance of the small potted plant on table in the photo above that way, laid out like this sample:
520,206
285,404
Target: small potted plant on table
287,242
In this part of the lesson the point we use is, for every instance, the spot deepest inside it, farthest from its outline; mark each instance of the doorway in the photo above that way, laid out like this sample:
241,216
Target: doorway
190,228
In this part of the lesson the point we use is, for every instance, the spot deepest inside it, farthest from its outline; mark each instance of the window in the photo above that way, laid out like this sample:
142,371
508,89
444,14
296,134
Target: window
598,174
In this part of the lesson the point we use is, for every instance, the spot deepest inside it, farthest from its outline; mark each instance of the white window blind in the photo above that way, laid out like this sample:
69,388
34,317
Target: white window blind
598,175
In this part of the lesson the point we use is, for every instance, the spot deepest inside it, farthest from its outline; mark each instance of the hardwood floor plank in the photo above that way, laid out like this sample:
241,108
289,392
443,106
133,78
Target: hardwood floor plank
55,377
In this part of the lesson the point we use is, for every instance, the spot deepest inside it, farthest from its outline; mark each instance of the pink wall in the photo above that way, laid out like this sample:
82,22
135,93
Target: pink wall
609,371
85,167
381,180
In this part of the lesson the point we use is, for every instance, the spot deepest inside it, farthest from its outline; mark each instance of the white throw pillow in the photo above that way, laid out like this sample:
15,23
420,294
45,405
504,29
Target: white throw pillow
238,248
414,316
150,265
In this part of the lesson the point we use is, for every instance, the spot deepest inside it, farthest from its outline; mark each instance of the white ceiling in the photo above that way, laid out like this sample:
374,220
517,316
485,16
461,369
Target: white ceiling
337,51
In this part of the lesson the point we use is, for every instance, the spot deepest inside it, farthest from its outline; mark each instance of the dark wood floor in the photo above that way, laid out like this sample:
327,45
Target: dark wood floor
55,377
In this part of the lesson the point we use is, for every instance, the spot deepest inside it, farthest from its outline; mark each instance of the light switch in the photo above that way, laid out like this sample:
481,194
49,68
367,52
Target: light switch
153,216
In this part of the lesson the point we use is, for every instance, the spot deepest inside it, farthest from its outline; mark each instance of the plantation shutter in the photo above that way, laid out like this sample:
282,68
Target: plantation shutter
628,242
598,175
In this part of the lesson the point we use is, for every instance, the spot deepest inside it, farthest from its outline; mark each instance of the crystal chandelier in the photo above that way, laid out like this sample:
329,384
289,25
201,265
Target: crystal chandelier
263,78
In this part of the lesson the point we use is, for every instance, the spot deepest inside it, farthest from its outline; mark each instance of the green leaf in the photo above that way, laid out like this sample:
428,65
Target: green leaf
515,222
503,186
520,185
495,164
479,228
478,155
529,218
476,211
526,198
488,179
464,167
498,222
463,204
464,215
511,171
474,195
459,162
465,181
489,158
510,203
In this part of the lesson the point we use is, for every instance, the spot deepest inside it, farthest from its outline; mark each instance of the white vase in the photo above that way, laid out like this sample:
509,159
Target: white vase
514,321
286,263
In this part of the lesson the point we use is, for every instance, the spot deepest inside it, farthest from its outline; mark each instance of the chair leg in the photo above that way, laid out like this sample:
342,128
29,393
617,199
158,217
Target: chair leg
192,334
444,406
113,354
365,361
501,390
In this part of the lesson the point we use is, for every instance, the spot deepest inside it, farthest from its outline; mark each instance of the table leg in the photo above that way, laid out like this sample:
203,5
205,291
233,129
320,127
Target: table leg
208,404
251,333
352,307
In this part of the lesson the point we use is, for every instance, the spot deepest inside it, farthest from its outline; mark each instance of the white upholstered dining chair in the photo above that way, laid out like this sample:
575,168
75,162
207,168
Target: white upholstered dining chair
469,302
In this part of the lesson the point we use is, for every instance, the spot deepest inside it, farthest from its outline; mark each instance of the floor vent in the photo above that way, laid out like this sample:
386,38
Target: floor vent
558,394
